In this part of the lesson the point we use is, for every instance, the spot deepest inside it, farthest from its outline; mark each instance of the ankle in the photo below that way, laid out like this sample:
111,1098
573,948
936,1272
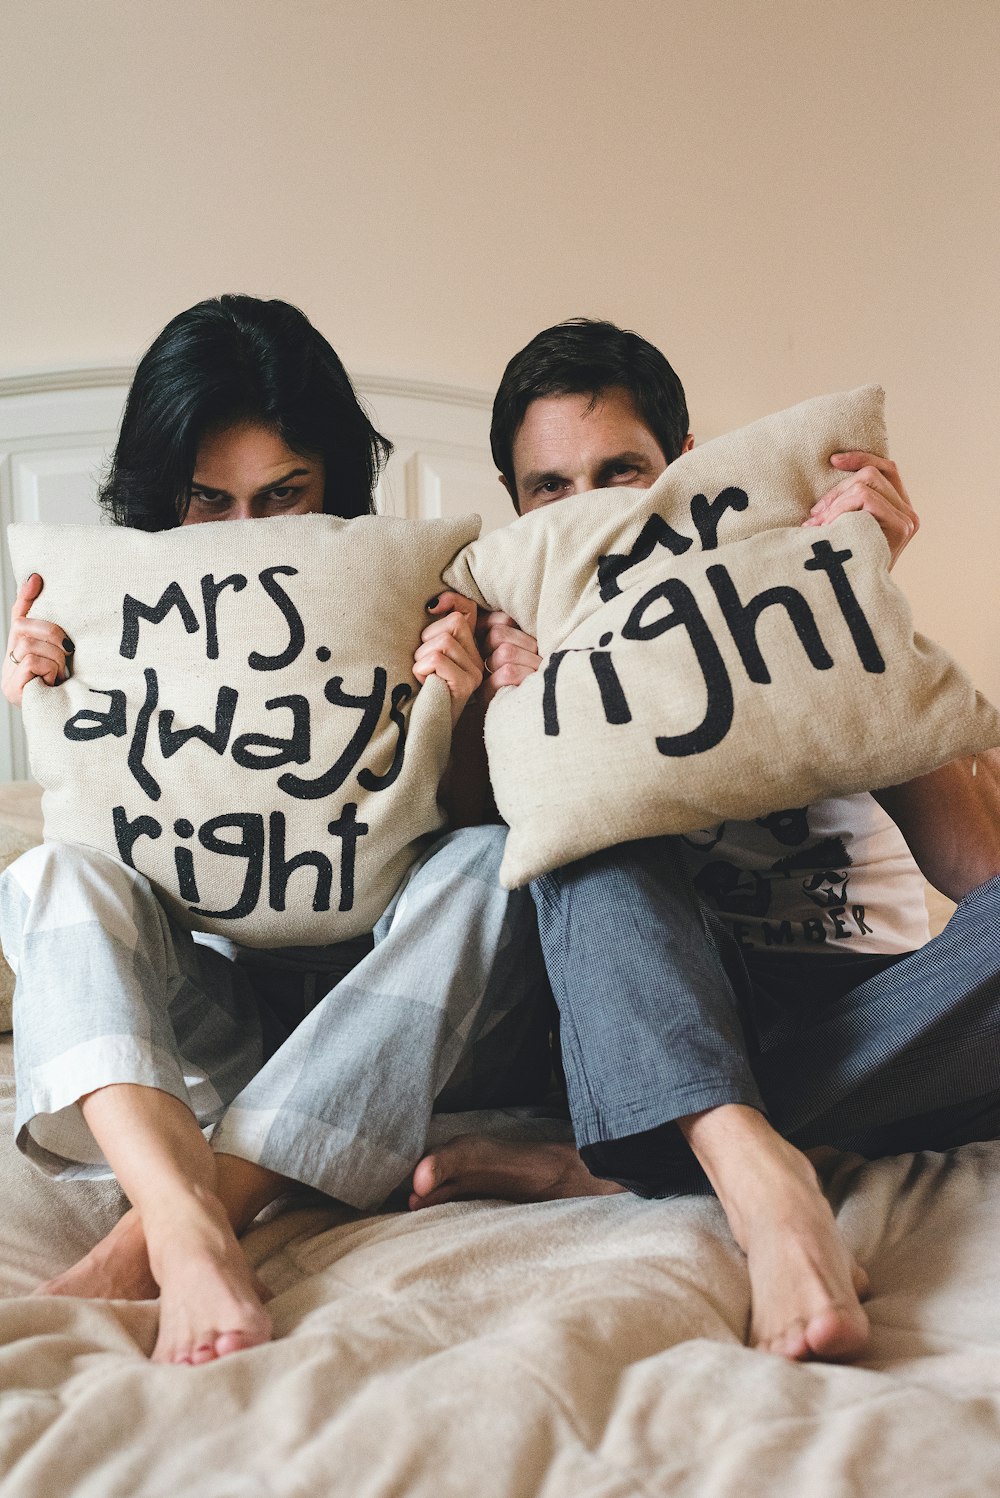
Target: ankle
753,1170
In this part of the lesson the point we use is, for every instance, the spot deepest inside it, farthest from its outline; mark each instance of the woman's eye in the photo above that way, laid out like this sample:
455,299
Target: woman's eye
207,497
284,491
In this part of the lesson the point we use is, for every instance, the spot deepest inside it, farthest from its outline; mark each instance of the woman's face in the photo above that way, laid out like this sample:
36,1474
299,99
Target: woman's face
247,472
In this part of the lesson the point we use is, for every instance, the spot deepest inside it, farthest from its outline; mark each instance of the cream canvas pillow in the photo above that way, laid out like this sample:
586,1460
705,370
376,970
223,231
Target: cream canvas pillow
242,723
707,658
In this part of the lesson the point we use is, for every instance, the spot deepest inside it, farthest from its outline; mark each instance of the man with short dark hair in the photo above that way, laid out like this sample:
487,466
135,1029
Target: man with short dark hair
759,1009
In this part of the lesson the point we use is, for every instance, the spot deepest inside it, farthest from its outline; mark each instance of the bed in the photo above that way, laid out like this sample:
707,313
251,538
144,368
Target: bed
574,1349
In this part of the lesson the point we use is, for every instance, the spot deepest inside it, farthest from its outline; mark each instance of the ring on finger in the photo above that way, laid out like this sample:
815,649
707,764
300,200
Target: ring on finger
14,658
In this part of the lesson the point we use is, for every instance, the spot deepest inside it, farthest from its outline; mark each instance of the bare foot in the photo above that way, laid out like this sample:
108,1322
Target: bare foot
117,1268
471,1166
805,1287
210,1303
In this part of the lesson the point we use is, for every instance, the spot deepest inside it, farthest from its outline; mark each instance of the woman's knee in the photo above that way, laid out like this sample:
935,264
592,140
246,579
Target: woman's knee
64,884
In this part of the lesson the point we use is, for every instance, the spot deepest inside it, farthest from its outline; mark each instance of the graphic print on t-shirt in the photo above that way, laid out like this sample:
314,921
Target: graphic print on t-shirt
811,878
732,890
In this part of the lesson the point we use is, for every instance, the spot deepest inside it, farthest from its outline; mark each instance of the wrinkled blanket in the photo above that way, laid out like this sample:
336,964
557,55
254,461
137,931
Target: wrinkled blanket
576,1349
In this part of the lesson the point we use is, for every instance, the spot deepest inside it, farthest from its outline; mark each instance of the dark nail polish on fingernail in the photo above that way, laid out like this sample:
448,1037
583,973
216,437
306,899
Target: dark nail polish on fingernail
68,645
432,602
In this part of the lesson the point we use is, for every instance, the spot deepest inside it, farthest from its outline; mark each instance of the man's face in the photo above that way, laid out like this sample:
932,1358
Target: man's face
570,444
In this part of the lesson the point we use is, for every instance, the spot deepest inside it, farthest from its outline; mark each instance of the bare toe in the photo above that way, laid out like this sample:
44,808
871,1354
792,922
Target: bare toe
209,1304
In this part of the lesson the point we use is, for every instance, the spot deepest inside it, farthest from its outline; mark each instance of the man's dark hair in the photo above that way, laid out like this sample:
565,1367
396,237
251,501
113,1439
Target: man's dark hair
587,357
225,362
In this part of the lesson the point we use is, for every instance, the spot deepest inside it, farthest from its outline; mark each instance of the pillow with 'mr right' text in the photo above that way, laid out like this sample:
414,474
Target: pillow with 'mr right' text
705,657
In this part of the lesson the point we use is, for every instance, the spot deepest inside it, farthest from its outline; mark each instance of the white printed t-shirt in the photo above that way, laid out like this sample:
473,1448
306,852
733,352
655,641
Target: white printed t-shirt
833,877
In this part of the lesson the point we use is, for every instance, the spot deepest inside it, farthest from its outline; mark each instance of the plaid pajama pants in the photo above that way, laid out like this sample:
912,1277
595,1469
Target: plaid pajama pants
321,1064
662,1015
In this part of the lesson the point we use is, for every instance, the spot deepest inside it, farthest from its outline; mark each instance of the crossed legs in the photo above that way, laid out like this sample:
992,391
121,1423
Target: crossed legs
179,1241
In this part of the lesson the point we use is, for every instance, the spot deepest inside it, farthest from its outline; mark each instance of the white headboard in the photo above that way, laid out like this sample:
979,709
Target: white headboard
57,428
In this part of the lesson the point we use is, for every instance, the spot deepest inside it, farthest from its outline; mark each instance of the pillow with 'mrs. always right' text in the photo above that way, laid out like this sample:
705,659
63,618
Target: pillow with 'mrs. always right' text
242,724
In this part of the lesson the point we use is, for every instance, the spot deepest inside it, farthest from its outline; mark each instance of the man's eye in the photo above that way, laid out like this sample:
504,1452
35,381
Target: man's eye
622,471
550,486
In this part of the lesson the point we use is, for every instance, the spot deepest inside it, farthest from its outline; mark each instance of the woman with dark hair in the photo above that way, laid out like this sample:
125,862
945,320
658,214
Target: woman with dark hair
289,1059
235,361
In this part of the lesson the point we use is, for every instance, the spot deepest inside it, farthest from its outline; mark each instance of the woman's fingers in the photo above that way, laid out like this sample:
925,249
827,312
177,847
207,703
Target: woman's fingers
35,647
26,595
448,649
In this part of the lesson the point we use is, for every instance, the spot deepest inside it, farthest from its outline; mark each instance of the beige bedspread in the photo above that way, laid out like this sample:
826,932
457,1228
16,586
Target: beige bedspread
579,1349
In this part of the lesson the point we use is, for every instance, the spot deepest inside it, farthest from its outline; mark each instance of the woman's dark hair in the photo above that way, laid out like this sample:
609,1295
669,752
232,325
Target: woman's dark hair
586,357
226,361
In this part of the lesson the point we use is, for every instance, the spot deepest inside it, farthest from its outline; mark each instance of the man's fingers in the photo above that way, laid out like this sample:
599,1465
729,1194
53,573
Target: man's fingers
856,460
491,620
865,478
510,654
898,522
511,675
499,635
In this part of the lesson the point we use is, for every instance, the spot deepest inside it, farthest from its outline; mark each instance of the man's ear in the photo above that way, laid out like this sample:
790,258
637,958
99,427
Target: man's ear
510,491
688,443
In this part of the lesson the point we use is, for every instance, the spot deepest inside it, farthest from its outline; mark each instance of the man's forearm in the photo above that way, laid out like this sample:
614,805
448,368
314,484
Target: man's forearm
951,822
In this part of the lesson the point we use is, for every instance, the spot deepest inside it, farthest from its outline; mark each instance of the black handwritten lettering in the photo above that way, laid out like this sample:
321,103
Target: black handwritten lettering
686,614
210,591
133,610
613,700
840,931
707,514
88,723
656,532
349,830
296,630
172,739
137,748
334,777
127,833
250,846
184,863
280,868
550,712
291,751
367,779
742,620
825,559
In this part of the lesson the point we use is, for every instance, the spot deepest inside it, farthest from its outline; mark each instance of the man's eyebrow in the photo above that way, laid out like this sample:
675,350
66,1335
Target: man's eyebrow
542,476
630,459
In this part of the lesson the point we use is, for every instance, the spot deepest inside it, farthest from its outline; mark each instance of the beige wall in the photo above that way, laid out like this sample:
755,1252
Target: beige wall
790,196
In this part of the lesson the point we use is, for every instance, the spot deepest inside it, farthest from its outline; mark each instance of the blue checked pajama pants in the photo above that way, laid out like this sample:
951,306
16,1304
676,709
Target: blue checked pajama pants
663,1014
331,1083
